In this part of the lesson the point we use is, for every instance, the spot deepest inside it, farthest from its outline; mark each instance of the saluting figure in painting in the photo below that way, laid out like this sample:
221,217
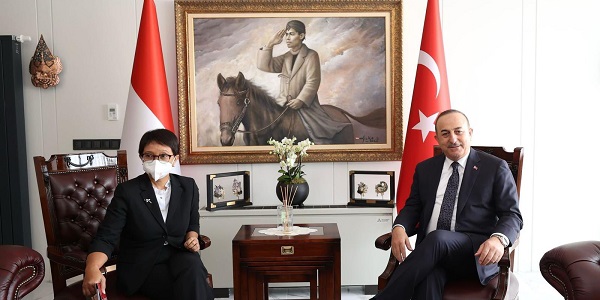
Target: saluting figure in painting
300,77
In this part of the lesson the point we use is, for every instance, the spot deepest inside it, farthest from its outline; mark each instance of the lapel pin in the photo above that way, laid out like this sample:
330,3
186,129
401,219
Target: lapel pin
148,200
475,168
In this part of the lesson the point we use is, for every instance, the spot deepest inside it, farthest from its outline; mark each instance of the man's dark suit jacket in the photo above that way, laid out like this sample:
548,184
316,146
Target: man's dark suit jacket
133,218
487,202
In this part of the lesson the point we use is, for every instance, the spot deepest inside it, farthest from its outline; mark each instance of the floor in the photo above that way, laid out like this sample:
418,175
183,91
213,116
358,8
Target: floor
532,286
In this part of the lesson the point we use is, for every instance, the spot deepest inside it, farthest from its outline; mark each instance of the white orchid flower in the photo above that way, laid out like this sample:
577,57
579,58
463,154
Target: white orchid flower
289,153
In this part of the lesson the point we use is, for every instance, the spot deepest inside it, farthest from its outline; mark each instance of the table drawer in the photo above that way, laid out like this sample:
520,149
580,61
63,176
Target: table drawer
287,250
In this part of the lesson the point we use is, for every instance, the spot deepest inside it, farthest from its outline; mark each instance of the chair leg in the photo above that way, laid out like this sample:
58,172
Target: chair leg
59,282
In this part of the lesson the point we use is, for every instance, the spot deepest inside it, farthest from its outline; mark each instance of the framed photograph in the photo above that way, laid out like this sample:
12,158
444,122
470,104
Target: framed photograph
227,190
327,70
372,188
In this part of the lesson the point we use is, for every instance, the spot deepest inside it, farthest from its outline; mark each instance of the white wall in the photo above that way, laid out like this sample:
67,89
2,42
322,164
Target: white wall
526,72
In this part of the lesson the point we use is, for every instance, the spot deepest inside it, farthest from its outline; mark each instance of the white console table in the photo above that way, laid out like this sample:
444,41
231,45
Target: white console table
362,263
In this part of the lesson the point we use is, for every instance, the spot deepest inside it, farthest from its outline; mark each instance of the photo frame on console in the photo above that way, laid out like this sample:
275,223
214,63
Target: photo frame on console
372,188
228,190
359,46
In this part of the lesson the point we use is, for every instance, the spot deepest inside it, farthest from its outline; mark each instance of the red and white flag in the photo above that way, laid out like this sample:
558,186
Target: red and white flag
148,104
430,97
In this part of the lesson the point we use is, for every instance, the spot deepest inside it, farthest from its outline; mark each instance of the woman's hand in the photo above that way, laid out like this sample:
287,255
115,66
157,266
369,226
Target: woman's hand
92,277
192,244
276,39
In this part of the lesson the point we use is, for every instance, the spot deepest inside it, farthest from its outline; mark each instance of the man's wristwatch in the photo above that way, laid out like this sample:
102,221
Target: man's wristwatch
503,240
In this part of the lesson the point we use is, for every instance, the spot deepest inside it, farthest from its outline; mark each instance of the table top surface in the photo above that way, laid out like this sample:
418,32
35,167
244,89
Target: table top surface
325,231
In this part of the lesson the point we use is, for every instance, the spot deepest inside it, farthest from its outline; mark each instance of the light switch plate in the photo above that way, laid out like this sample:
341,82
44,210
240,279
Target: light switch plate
112,112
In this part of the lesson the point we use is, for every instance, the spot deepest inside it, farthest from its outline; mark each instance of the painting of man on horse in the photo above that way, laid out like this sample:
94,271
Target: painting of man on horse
322,91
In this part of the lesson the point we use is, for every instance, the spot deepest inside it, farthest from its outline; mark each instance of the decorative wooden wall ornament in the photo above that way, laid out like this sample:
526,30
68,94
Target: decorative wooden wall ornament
44,67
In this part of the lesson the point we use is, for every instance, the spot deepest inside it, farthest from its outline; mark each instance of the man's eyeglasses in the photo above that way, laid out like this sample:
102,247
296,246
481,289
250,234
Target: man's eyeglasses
150,157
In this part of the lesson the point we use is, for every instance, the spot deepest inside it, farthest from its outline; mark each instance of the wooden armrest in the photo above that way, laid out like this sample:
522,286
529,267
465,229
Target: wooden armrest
503,275
204,242
505,259
384,242
57,256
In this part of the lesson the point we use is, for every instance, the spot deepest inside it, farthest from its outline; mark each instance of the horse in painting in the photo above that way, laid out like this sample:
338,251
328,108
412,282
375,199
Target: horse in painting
242,102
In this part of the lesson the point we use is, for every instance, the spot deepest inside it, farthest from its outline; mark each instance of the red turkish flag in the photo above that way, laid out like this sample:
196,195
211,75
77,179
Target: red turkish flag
430,97
148,104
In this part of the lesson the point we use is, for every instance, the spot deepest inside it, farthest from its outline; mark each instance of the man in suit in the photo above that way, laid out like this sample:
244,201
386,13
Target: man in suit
154,220
463,213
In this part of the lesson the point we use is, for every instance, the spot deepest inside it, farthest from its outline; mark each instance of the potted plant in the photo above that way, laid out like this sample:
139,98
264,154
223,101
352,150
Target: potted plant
292,188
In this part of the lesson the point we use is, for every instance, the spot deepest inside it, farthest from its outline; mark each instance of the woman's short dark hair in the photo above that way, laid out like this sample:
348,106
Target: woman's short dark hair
160,136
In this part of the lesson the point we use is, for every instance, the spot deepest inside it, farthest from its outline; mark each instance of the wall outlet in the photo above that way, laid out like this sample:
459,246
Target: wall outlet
112,112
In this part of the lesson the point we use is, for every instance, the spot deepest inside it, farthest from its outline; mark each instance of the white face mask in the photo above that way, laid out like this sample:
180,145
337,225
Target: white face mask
157,169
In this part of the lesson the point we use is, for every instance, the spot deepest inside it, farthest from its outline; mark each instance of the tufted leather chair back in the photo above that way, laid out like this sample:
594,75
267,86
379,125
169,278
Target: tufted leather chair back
75,191
80,200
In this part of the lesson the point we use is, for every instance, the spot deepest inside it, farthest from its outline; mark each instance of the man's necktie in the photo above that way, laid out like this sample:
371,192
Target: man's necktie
447,208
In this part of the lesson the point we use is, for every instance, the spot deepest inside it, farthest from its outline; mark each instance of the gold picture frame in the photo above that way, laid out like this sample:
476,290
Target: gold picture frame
360,64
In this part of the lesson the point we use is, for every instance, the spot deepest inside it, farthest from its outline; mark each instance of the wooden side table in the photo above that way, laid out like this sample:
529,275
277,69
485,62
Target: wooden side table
259,259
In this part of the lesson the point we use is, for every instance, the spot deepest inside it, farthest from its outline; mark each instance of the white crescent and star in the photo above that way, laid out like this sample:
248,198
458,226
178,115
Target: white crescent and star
427,123
428,62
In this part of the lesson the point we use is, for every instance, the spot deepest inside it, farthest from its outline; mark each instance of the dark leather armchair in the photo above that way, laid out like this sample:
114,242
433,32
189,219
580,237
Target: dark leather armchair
573,270
75,191
22,269
503,286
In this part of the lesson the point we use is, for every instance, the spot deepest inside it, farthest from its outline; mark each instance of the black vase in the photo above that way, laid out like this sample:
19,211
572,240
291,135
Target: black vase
300,195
